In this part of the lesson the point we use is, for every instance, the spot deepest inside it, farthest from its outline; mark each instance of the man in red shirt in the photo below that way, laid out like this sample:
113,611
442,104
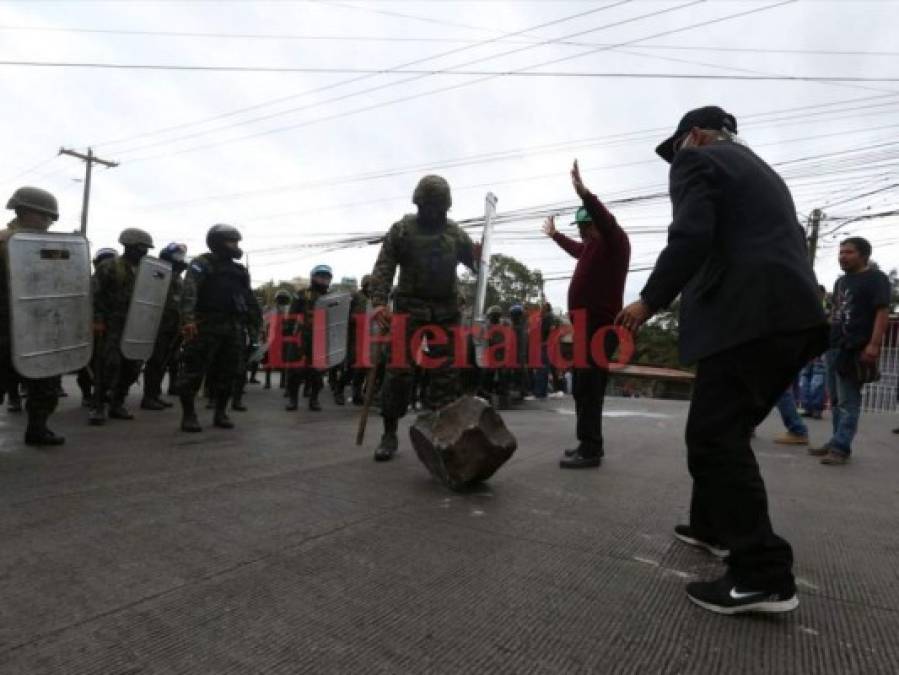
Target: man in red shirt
597,289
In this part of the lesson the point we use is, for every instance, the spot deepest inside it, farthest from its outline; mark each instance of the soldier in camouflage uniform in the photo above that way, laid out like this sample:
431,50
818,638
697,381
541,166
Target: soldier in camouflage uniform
168,338
351,373
112,286
427,247
35,210
214,310
303,309
249,341
85,376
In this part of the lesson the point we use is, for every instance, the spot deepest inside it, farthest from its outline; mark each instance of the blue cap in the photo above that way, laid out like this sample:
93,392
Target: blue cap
321,269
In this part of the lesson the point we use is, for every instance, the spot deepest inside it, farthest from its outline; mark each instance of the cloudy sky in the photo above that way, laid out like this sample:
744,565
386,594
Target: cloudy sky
306,141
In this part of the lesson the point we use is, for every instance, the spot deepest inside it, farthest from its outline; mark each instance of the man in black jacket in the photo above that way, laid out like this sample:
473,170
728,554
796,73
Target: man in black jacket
750,318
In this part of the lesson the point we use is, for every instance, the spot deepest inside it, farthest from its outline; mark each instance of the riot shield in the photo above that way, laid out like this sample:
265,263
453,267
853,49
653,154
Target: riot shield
50,303
151,288
335,307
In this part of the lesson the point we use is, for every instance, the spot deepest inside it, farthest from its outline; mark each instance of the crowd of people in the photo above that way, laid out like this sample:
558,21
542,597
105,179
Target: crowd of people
752,321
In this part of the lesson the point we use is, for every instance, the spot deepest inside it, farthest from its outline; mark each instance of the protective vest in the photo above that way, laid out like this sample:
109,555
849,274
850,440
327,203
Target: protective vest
224,287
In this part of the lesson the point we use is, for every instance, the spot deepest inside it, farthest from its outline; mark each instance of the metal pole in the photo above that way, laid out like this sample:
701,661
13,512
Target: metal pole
85,201
814,225
480,296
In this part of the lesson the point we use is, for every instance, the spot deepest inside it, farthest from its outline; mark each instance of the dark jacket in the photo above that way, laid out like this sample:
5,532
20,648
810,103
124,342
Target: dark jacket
735,251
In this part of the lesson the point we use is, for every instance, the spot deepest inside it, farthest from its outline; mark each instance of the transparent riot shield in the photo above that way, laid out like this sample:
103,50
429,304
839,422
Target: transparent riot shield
50,303
335,307
151,288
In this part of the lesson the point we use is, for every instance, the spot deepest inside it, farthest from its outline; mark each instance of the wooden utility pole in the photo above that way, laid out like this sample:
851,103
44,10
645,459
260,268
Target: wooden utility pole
89,161
814,223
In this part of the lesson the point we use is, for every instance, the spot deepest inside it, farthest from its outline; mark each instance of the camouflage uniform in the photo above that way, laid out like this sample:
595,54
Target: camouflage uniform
352,374
427,294
303,306
43,393
215,298
112,287
250,329
168,340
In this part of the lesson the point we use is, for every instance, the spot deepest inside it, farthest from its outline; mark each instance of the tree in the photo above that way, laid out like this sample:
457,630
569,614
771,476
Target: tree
657,341
510,282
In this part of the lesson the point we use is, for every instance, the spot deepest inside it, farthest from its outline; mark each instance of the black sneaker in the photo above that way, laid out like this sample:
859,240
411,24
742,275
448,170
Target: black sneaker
387,447
580,461
725,596
685,534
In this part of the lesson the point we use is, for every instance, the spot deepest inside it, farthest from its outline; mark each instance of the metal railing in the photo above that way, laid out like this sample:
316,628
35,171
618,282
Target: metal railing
880,396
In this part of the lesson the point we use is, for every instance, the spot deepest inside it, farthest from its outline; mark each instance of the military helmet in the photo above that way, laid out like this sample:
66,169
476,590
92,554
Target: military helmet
494,309
516,309
103,254
321,269
34,199
174,252
221,232
133,236
282,294
432,189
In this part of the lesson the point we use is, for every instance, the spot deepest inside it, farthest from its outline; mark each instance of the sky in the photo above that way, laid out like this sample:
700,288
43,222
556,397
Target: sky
299,160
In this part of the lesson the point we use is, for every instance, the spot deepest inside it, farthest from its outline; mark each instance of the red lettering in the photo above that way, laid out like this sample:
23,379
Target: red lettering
277,340
508,347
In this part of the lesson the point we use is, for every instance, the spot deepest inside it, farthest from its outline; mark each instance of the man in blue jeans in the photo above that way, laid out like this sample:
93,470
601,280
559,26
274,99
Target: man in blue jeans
797,432
811,388
861,300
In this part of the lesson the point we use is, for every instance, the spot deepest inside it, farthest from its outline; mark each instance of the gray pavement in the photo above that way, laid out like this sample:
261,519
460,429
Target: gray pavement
280,547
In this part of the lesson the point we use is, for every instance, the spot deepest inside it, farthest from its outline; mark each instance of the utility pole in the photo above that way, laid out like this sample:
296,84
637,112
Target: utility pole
814,223
89,161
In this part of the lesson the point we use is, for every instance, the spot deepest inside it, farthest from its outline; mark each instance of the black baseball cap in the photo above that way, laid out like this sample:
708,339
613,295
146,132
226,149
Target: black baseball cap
709,117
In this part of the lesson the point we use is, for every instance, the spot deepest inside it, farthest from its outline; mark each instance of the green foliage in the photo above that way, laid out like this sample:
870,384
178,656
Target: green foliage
657,341
510,282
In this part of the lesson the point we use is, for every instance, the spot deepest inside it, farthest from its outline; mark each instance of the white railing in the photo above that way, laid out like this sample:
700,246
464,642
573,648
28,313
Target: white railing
880,396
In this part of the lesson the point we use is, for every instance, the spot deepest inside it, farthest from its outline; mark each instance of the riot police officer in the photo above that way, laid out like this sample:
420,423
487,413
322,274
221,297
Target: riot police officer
85,377
302,312
113,286
35,210
214,310
168,338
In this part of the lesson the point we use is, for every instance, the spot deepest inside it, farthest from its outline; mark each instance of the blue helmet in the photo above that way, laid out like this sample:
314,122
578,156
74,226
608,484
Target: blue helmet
174,253
516,309
104,253
321,269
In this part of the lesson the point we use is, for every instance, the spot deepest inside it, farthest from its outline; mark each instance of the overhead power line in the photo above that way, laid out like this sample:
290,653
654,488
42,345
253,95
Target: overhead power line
445,73
477,80
426,40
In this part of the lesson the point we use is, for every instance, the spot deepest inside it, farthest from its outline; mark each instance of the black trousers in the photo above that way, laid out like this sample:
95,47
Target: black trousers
733,392
589,390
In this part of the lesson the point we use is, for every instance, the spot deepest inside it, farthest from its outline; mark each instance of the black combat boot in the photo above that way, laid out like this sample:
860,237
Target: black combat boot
189,421
118,411
389,442
14,404
314,405
220,418
152,403
339,398
237,402
97,415
37,432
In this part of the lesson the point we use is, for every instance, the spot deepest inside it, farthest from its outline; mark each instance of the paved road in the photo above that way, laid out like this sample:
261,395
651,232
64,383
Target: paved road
282,548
